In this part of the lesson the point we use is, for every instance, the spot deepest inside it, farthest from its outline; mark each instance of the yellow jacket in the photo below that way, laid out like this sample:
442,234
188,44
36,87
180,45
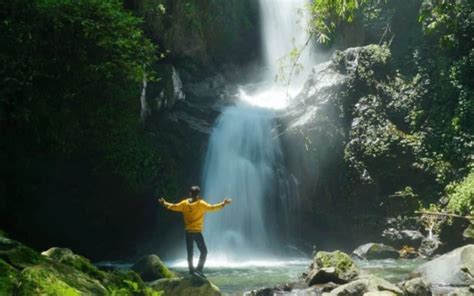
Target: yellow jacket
193,212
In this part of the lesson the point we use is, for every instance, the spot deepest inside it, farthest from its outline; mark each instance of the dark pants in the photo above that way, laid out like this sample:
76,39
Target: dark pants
197,237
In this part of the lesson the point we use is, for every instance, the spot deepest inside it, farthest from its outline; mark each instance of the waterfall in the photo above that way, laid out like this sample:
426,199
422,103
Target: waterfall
283,29
244,160
240,164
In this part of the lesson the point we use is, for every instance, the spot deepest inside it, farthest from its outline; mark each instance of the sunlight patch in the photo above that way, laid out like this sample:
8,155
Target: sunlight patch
275,97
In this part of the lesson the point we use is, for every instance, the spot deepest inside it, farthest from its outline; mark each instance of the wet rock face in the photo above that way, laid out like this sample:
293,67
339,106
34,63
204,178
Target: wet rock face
401,232
372,251
161,93
207,32
346,142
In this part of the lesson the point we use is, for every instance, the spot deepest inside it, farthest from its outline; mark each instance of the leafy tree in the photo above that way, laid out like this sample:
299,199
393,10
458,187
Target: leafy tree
70,78
461,195
72,146
326,15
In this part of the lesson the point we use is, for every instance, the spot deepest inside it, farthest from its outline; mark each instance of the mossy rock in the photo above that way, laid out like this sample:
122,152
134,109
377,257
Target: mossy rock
186,286
66,256
343,264
8,278
57,279
127,282
116,283
17,254
24,271
151,268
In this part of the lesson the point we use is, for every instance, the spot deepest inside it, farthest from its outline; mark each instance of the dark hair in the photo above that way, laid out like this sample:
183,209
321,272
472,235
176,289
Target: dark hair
195,191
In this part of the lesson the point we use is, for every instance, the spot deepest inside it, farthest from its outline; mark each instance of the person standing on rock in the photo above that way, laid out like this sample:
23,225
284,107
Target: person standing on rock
194,210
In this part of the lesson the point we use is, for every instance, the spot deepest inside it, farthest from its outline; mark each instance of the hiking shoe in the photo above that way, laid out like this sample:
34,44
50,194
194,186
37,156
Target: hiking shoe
200,273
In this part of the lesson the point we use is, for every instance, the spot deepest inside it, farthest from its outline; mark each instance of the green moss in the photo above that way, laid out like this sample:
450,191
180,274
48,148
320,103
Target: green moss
341,261
186,286
8,281
151,267
66,256
60,272
42,281
17,254
461,195
165,271
59,275
127,282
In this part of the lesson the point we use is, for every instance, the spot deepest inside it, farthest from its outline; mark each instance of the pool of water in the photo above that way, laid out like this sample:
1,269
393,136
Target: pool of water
236,278
390,269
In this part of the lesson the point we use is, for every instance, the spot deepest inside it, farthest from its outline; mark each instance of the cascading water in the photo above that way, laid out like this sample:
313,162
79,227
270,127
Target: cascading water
283,29
240,164
244,159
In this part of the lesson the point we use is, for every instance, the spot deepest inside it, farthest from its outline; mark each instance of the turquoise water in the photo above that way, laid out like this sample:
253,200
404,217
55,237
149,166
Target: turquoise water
238,278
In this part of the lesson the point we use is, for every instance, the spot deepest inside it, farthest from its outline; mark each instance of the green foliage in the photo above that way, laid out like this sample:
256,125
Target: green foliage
343,264
327,14
7,278
447,109
461,195
67,257
70,85
40,281
451,21
420,120
61,272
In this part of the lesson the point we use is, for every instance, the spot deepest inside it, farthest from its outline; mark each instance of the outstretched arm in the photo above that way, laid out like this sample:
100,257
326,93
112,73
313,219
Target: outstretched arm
179,207
217,206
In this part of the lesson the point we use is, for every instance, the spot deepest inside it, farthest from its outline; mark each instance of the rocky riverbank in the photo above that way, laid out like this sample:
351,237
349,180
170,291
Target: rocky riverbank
59,271
336,274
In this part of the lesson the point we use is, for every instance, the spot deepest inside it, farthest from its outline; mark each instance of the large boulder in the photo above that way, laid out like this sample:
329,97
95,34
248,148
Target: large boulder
368,285
335,267
372,251
18,255
57,280
186,286
455,268
151,268
66,256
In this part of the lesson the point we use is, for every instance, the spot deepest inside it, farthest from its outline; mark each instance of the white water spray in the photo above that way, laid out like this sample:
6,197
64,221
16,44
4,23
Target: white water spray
244,159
